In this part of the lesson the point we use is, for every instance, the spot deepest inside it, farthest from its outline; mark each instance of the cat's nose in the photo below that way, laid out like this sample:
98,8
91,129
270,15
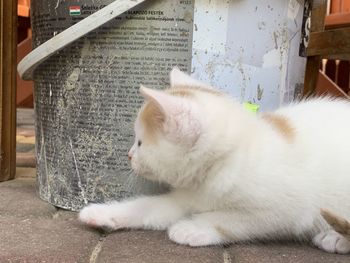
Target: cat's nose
129,156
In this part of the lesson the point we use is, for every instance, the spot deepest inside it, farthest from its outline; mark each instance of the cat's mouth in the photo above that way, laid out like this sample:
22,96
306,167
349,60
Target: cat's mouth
142,173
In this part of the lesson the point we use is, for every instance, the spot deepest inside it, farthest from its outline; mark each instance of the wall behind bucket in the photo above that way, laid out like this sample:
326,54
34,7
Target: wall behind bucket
250,49
86,96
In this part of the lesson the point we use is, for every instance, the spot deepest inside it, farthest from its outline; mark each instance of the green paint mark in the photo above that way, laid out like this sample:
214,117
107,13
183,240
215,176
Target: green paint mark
251,107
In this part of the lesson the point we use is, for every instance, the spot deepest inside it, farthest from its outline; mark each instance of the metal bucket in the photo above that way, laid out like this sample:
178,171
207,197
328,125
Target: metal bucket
86,95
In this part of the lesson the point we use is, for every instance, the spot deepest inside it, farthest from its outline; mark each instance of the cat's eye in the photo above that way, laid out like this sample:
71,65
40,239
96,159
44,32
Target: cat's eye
139,143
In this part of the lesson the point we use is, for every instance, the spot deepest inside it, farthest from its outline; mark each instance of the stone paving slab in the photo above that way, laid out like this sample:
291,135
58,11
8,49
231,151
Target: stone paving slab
26,130
155,247
25,147
25,116
282,253
25,172
152,247
45,240
19,198
32,230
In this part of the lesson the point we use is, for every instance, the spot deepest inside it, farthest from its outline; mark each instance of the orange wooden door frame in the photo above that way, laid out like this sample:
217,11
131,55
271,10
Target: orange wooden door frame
8,53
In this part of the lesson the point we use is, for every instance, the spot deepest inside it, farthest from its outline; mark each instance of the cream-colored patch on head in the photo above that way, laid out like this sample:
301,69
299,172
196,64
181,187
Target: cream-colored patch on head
190,91
208,90
152,118
281,124
180,92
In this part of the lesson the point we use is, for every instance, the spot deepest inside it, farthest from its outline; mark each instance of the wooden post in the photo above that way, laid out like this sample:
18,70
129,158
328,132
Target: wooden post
8,53
318,13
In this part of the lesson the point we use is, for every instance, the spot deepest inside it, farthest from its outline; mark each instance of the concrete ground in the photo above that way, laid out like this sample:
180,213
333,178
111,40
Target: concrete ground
34,231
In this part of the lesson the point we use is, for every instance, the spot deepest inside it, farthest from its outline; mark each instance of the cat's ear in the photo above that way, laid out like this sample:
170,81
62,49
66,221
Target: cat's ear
179,78
167,103
179,115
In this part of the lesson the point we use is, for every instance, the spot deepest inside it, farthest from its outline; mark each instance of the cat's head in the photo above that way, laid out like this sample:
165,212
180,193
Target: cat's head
170,130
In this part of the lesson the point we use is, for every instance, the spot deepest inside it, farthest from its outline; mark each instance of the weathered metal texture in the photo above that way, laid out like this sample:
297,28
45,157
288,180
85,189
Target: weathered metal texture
250,49
86,96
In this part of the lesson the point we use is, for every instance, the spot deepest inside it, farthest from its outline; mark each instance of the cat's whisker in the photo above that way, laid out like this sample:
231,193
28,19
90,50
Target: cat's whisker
126,173
129,181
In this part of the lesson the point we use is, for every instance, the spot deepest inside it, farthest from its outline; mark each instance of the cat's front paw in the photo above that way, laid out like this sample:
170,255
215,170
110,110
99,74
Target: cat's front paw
332,242
99,215
187,232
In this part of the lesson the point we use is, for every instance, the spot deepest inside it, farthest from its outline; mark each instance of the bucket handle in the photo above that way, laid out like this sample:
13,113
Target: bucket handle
28,64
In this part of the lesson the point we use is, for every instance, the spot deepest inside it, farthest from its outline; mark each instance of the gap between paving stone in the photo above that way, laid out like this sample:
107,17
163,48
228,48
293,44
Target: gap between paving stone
97,249
64,214
226,256
56,214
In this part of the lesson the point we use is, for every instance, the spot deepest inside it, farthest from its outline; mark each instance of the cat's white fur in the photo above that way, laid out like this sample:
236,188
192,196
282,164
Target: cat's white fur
235,177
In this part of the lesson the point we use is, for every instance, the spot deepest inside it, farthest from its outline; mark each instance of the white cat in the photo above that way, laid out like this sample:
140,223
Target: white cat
236,176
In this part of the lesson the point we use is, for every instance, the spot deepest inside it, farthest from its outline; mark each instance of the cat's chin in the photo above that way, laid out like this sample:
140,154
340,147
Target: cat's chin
146,175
